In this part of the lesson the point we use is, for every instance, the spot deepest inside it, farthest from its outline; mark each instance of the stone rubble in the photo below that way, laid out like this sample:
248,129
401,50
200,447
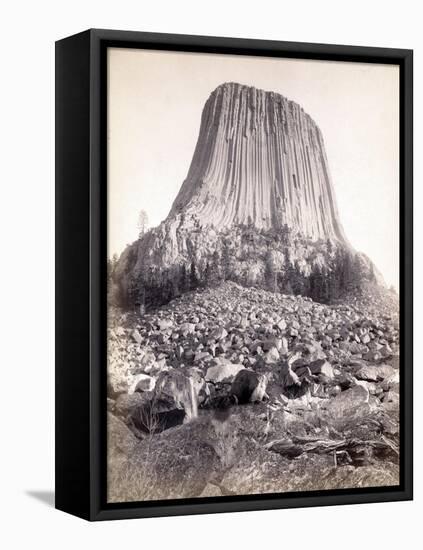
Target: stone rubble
338,363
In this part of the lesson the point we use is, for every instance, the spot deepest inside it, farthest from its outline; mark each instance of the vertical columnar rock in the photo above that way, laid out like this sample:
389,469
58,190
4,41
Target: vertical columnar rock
259,159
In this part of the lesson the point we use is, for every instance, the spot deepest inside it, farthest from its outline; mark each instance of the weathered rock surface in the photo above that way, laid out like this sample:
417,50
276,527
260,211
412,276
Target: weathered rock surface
259,159
142,382
321,366
349,402
121,441
249,387
375,373
223,372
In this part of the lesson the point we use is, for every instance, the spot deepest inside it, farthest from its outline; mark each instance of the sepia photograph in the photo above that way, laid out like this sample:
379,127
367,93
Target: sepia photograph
253,262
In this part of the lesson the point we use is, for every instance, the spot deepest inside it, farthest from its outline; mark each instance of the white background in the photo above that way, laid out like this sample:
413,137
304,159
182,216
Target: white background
27,37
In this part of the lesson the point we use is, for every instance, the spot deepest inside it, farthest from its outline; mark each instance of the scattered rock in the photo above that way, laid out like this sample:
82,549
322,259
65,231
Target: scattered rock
374,373
136,336
202,356
272,356
281,324
348,402
219,334
187,328
165,324
321,366
223,372
391,382
211,345
372,387
142,382
287,376
249,387
372,356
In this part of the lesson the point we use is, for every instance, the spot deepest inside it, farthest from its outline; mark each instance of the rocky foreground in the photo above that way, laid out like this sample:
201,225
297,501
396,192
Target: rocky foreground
184,420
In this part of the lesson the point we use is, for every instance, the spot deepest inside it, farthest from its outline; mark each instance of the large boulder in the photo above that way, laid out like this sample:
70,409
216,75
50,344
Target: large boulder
126,404
391,401
281,324
321,366
349,403
117,383
249,387
272,356
200,386
287,377
223,371
392,382
121,441
142,382
374,373
180,388
220,333
165,324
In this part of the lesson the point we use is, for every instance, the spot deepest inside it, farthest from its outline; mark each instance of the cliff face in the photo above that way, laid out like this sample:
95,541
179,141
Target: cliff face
257,206
259,159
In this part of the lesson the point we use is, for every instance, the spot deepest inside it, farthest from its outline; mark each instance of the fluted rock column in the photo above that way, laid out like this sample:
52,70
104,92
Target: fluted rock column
259,159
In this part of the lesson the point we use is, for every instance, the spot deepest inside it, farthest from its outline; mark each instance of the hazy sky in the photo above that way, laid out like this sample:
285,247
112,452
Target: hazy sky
155,104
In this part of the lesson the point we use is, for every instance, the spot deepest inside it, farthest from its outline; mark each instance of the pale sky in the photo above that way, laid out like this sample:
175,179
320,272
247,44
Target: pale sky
155,100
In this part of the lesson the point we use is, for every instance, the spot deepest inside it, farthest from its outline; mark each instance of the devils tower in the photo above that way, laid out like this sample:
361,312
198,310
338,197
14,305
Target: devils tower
257,206
259,158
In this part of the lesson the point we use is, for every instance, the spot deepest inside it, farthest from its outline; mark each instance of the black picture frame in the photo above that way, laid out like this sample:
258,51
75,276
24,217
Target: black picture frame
81,272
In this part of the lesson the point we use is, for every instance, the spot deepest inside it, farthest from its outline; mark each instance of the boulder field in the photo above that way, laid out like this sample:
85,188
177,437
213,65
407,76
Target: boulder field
234,390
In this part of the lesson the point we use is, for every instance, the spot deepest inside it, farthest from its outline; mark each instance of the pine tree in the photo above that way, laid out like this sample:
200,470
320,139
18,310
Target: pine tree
226,263
142,223
184,279
206,275
270,274
214,269
111,268
193,277
288,278
134,291
109,271
175,279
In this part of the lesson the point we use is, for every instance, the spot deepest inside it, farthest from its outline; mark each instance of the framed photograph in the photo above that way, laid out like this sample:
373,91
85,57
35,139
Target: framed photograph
234,274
